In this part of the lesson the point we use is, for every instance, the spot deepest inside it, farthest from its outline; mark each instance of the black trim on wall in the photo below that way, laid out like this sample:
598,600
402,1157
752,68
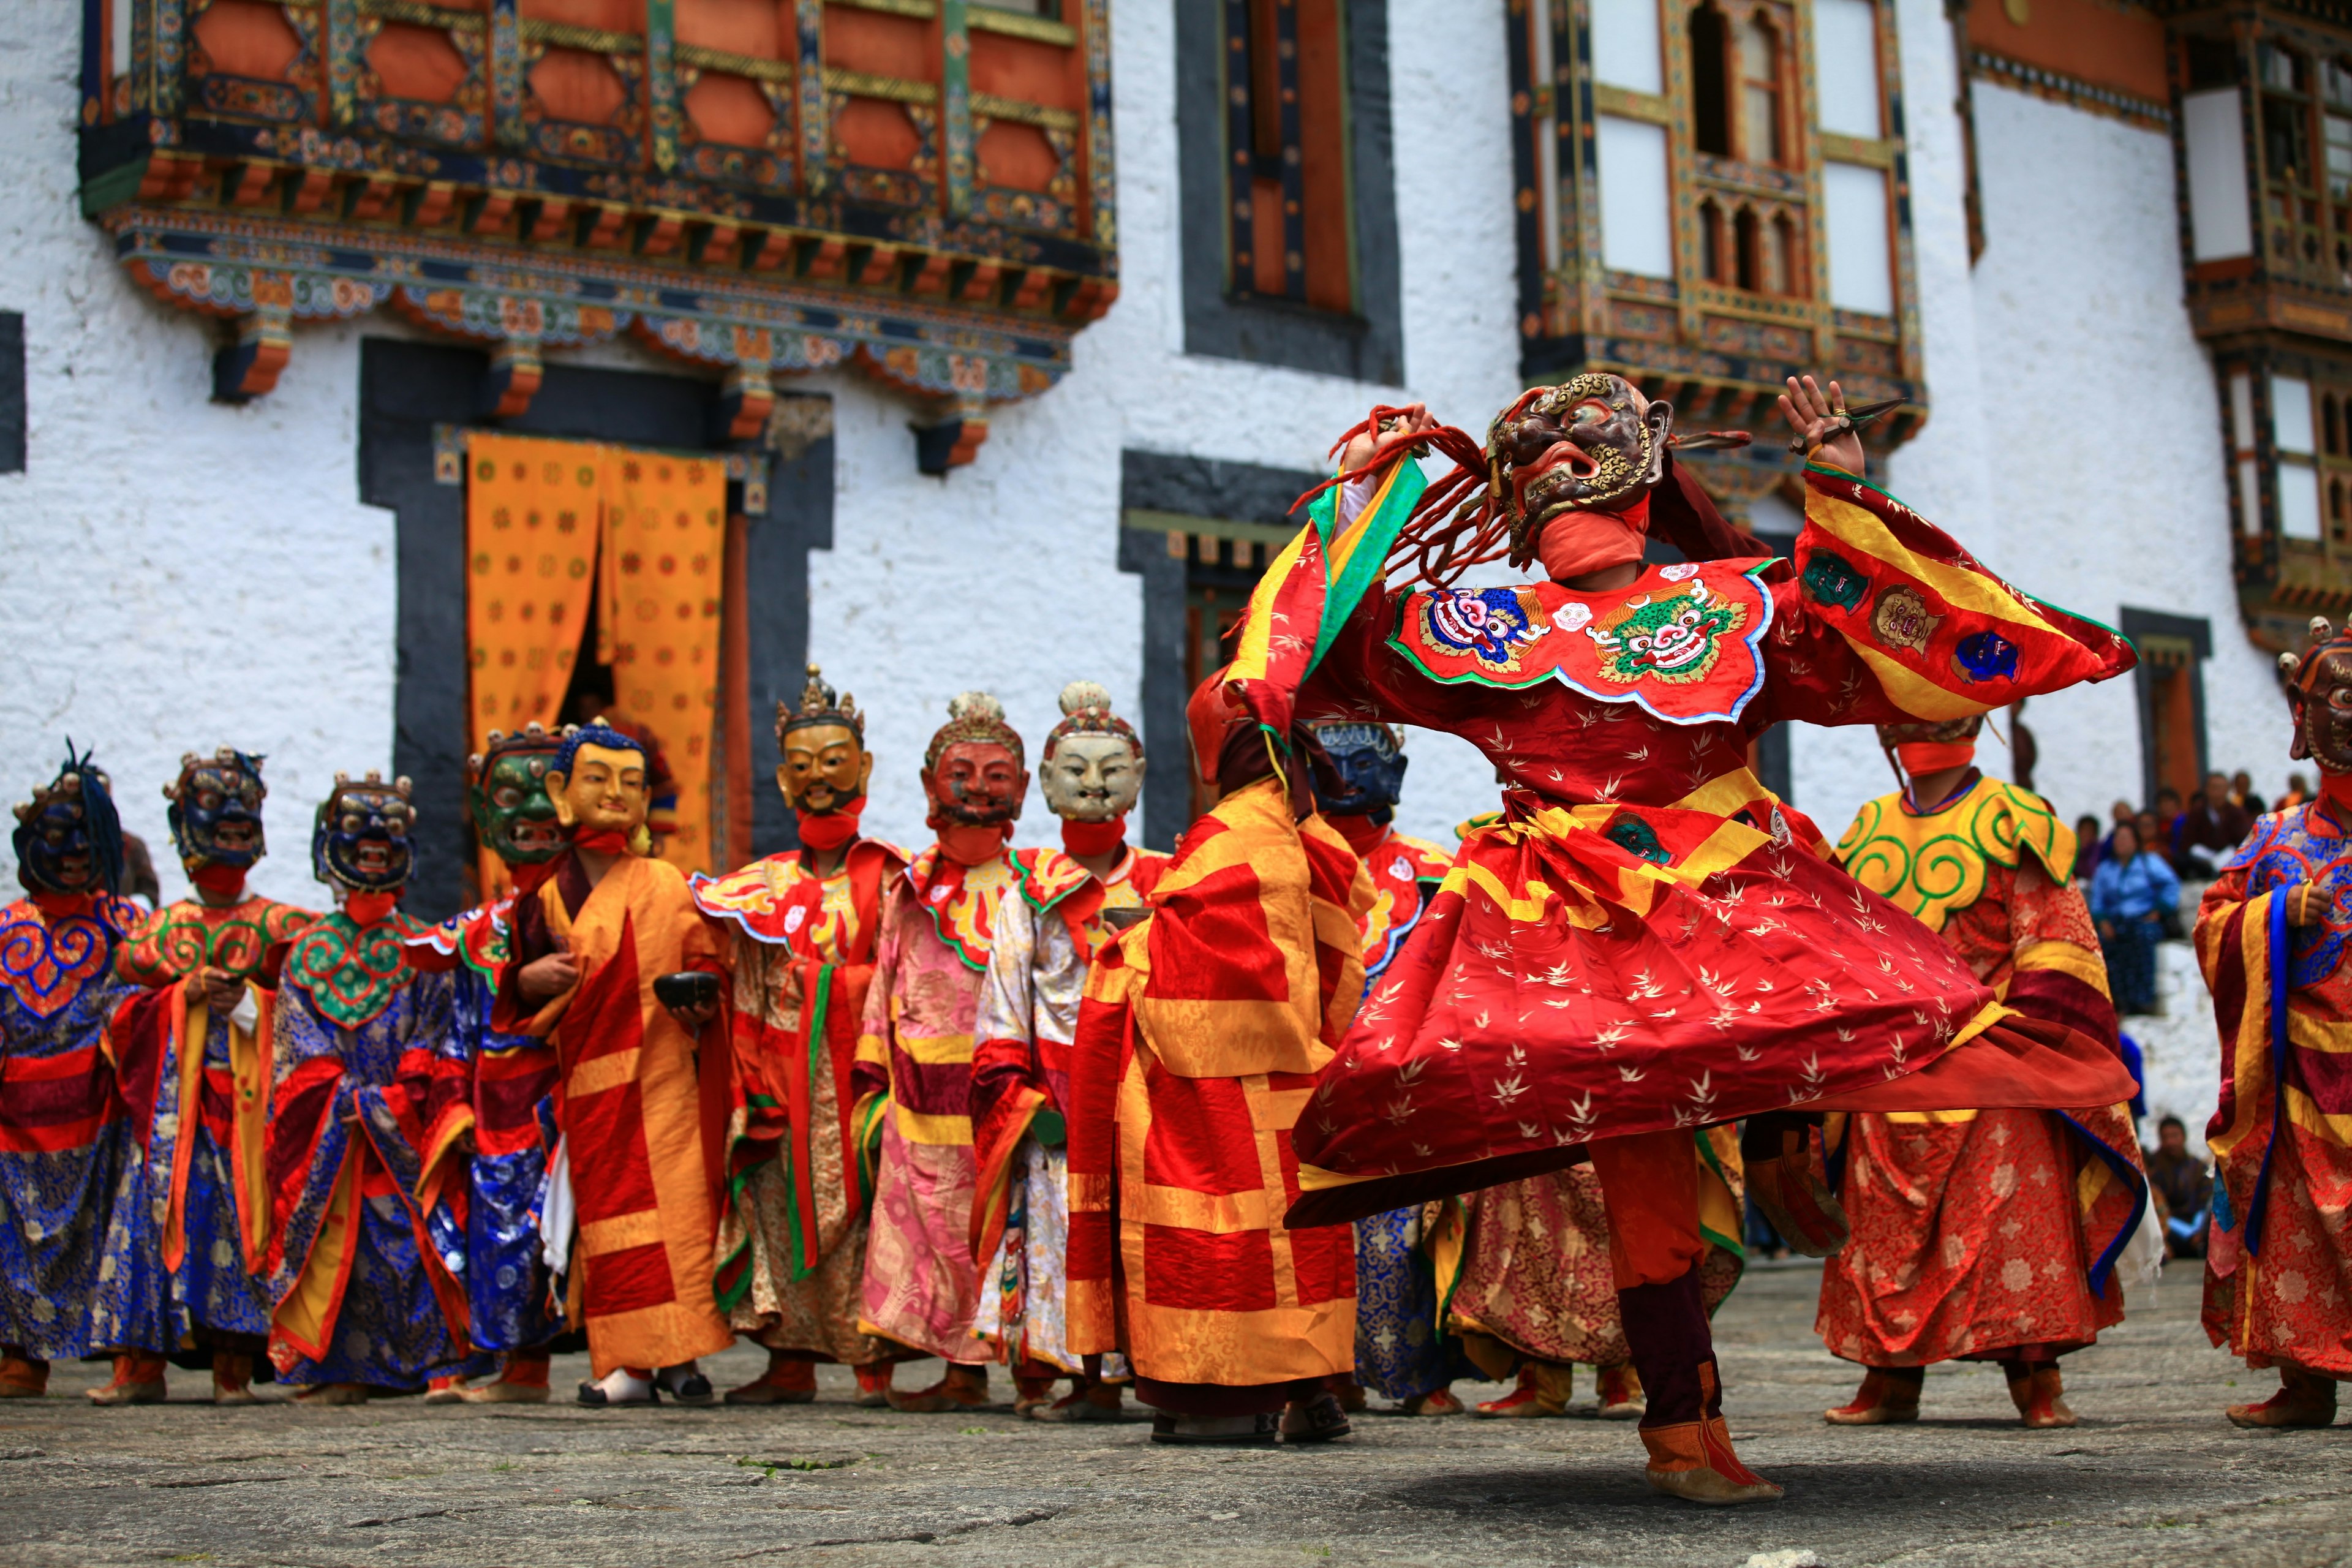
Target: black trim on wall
405,390
1367,346
1191,487
2197,632
12,392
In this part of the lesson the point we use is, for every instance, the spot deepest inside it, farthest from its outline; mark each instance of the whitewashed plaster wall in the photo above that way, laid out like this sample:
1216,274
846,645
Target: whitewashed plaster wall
2073,442
178,574
182,574
1004,575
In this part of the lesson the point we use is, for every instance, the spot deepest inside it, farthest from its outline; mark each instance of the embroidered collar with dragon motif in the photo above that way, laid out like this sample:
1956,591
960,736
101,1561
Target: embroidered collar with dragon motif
48,959
1683,642
350,974
1934,864
476,939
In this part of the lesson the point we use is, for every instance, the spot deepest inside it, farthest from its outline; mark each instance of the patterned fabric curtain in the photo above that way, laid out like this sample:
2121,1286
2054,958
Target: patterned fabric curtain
541,517
531,512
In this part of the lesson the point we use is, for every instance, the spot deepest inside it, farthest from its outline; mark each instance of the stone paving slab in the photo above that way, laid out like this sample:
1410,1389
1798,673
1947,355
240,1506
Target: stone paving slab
2154,1475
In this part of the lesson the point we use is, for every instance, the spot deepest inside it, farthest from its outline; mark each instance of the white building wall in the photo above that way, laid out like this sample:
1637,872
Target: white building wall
183,574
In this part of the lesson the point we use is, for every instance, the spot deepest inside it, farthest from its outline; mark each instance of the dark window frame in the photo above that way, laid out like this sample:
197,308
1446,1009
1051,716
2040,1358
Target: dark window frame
409,389
2197,632
1219,321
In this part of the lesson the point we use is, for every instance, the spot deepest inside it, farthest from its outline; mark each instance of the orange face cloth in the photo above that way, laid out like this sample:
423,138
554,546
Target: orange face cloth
1920,758
1576,542
1092,838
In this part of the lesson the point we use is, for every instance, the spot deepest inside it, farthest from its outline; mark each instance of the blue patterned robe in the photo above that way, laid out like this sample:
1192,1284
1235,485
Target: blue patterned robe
67,1148
1399,1350
360,1034
505,1273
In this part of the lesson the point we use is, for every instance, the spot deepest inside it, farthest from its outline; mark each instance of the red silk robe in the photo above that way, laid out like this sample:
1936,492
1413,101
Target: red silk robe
1649,940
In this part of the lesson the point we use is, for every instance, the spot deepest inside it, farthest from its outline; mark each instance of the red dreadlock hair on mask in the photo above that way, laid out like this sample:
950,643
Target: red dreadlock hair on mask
1460,521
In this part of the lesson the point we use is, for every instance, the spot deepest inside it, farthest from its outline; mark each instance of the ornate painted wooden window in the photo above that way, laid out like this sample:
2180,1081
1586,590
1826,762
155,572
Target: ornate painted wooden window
1714,196
2264,147
1285,90
761,187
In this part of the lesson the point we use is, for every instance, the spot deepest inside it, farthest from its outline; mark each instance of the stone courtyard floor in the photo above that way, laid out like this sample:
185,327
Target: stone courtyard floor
2154,1475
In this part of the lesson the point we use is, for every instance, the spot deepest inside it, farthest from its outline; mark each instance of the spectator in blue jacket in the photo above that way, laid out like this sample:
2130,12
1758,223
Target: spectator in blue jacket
2130,892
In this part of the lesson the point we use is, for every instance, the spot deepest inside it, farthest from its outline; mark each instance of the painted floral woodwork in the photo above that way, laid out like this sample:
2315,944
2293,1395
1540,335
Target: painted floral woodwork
921,187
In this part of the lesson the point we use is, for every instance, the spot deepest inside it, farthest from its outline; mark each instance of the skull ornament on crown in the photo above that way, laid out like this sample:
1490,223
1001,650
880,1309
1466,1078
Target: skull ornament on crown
1370,762
1093,770
2319,692
214,813
506,793
1593,443
359,840
68,838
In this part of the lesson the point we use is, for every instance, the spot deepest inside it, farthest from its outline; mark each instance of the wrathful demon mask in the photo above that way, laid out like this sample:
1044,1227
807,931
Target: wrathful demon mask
506,792
822,742
215,810
68,838
1094,760
1591,444
2319,691
361,838
974,771
1370,762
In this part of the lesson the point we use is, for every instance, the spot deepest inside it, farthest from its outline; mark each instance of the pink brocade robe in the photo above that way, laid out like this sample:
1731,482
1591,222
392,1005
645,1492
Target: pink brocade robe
930,958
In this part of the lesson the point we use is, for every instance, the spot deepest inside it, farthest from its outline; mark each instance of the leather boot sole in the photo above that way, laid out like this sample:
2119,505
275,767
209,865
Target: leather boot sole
769,1393
1877,1416
1711,1488
129,1394
506,1394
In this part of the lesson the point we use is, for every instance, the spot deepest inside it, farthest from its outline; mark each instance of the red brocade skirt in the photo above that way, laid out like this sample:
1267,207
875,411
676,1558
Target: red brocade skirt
1600,971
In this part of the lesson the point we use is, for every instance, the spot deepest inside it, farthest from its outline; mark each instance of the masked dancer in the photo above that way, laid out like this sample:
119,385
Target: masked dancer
913,1076
199,1223
1401,1350
1648,943
69,1157
2272,934
1045,942
365,1297
1981,1235
487,1153
800,929
642,1114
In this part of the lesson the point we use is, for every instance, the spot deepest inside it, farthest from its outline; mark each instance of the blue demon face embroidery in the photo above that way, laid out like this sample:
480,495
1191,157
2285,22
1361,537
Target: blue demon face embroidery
1987,656
1489,624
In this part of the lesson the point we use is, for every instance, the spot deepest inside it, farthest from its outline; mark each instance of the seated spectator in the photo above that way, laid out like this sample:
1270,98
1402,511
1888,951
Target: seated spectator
2088,849
2298,793
2130,893
2206,832
2242,797
2157,841
2179,1179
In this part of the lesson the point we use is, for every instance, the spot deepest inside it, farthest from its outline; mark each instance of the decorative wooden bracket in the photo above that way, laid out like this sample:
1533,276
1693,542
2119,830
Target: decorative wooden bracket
952,441
247,367
511,380
745,398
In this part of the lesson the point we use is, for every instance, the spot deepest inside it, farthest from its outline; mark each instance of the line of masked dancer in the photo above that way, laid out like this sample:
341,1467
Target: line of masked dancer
1308,1108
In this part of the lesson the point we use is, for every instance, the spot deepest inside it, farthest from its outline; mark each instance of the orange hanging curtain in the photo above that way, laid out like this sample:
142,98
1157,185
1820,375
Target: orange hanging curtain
531,515
665,543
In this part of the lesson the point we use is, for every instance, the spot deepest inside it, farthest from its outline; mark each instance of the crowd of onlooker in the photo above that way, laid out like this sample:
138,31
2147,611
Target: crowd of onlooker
2132,873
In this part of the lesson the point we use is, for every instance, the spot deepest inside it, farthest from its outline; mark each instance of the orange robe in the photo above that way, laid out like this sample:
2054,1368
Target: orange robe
641,1150
1197,1046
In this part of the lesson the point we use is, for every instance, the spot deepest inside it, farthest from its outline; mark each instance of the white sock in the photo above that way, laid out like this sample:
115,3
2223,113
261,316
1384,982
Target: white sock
622,1386
669,1377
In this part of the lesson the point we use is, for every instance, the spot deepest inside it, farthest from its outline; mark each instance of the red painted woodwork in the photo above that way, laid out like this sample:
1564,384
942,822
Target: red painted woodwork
415,62
1016,156
247,38
876,132
754,27
880,44
730,108
577,86
1024,68
606,16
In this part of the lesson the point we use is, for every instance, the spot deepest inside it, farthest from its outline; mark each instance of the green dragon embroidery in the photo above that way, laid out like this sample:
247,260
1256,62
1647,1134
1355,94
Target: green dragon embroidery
1675,639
